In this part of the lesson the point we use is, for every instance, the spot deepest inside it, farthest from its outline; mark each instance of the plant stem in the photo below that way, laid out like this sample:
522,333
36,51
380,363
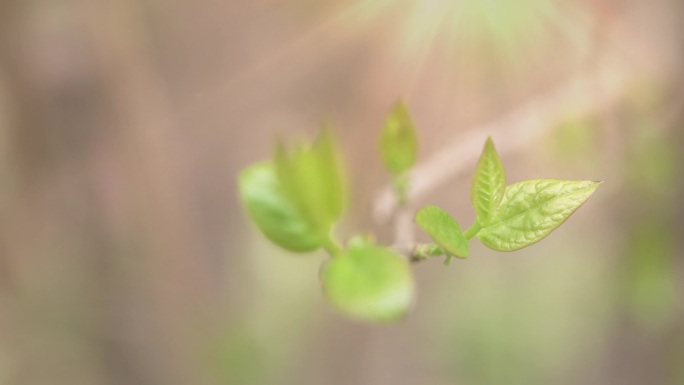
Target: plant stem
423,251
472,230
332,246
403,224
400,184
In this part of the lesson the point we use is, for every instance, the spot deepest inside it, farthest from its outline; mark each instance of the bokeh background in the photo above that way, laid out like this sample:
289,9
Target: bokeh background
126,258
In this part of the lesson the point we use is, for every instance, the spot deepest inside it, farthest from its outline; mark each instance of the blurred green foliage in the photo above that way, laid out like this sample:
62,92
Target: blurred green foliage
399,140
272,211
369,283
124,258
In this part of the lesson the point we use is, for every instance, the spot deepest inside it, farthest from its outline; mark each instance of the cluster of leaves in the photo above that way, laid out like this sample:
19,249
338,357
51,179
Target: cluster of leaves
298,196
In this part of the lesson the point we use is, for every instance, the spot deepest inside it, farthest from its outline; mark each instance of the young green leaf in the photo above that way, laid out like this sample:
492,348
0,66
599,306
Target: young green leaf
398,141
312,178
272,211
369,283
489,184
331,172
443,229
531,209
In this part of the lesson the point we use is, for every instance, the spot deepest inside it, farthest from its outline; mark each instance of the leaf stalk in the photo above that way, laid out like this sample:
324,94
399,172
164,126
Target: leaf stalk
472,230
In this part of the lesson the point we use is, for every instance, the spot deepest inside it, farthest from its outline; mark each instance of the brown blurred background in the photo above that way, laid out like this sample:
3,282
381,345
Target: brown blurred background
125,256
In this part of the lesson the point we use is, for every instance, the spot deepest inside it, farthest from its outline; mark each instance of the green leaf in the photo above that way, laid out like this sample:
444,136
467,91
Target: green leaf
272,211
489,184
369,283
531,209
399,141
360,240
331,173
313,179
443,229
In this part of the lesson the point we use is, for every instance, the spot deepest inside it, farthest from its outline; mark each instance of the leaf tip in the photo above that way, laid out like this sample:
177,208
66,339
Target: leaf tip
595,184
400,104
327,127
489,144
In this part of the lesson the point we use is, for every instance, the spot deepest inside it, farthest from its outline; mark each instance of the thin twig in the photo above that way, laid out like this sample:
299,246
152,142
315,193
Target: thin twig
512,132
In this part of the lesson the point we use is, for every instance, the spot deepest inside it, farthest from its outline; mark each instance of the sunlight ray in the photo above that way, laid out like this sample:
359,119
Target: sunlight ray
358,15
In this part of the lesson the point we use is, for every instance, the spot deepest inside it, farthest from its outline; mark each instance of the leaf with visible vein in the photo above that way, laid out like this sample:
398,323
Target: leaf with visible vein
532,209
489,184
443,229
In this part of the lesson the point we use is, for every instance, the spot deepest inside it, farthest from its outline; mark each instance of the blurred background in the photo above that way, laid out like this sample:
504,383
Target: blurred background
126,258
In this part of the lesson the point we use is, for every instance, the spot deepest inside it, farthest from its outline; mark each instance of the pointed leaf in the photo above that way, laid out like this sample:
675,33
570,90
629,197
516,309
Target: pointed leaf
443,229
296,169
312,178
398,141
489,184
331,174
369,283
271,210
531,209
